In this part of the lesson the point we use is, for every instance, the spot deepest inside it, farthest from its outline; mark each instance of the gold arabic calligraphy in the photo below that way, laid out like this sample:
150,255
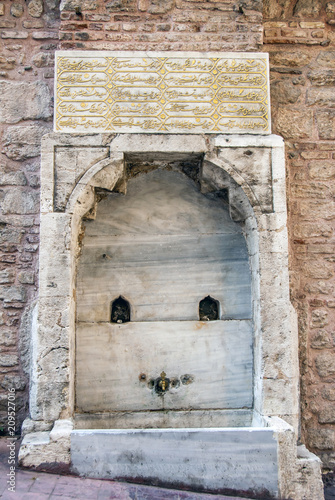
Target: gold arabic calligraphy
162,93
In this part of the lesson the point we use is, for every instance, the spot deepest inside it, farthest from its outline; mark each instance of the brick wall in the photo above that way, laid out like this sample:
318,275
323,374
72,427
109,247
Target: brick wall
300,38
161,25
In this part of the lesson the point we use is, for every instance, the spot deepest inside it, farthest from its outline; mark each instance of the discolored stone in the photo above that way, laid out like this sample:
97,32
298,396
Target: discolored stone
7,62
310,230
13,179
27,277
22,108
327,415
326,124
283,91
43,59
160,6
7,276
35,8
23,142
291,59
322,169
13,293
326,58
294,124
81,4
321,97
319,319
13,381
321,77
8,360
7,338
321,340
17,201
16,10
325,364
10,235
328,392
321,439
275,9
307,8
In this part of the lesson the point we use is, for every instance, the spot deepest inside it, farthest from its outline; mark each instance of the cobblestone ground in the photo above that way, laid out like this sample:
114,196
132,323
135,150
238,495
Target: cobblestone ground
31,485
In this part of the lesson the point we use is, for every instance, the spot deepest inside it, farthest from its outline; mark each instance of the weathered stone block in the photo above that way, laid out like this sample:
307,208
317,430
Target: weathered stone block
327,415
13,381
160,6
319,319
293,124
321,340
326,59
321,97
322,170
10,235
322,77
14,34
33,24
7,338
325,364
283,91
43,59
308,230
8,360
17,201
12,110
318,270
44,35
27,277
13,293
35,8
23,142
16,10
321,439
7,276
7,24
83,4
326,124
305,8
328,392
311,24
13,179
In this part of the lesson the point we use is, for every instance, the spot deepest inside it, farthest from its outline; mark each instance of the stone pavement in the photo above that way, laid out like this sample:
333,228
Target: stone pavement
32,485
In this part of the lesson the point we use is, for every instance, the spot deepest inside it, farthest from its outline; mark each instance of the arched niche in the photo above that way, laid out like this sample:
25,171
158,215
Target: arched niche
253,188
165,245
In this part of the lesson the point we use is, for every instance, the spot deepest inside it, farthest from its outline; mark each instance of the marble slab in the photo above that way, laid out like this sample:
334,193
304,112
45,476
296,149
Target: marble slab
163,246
162,92
211,362
164,419
205,459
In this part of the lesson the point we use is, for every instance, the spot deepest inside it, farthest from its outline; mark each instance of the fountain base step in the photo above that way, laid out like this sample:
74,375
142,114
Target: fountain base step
213,459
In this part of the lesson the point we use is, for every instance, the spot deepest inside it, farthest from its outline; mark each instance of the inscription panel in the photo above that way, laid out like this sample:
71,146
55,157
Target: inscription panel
162,92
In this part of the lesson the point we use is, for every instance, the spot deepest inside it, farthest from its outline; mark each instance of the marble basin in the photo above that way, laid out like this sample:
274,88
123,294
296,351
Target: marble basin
213,459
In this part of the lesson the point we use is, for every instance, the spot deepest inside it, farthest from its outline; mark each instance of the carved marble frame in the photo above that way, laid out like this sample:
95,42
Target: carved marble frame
276,376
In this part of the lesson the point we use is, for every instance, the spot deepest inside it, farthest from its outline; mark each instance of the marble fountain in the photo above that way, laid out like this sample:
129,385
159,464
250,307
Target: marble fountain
164,344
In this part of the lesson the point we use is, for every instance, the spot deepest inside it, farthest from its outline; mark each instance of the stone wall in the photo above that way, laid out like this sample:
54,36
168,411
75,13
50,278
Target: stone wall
299,34
28,39
161,25
300,38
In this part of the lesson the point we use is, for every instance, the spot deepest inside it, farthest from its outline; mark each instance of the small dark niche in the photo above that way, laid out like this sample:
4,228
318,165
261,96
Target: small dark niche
120,310
209,309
